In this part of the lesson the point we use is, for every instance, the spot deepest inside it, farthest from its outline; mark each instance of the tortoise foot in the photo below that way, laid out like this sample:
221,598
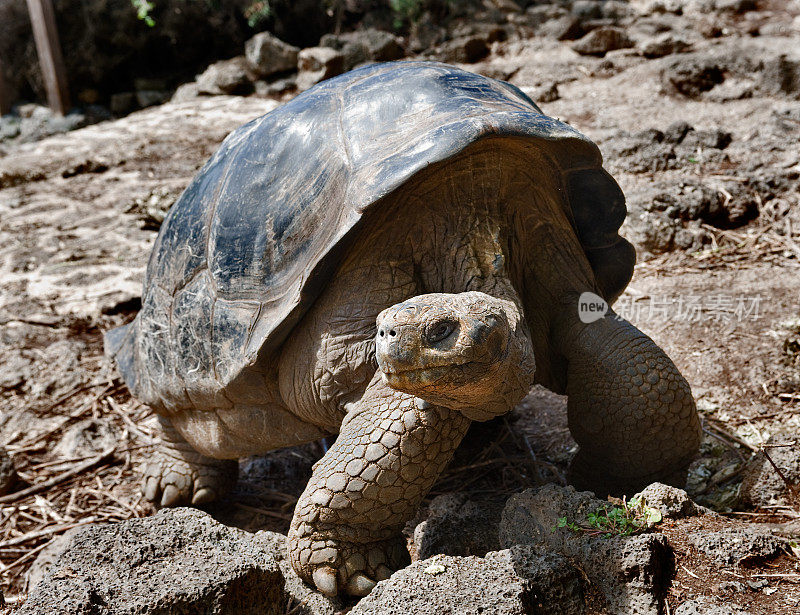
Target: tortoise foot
341,567
177,477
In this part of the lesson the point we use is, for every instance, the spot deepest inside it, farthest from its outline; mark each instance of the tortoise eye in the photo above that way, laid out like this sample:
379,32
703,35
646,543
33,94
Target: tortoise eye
440,331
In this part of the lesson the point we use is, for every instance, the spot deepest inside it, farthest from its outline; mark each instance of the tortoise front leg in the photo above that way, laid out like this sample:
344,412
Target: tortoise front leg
630,409
345,534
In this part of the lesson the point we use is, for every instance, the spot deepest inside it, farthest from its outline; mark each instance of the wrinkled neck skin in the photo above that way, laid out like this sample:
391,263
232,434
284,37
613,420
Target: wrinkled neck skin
456,240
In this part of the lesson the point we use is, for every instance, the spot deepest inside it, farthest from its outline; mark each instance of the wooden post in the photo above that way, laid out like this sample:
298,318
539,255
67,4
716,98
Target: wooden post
43,20
5,95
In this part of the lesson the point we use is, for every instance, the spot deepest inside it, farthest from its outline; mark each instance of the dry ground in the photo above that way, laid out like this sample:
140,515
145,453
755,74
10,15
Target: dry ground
77,214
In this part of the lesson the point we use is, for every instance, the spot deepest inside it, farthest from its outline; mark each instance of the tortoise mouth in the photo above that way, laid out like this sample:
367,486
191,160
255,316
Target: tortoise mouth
391,370
412,378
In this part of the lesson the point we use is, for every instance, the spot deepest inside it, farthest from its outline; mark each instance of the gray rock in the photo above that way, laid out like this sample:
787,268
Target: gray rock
677,131
780,75
735,6
186,91
564,28
602,40
277,87
444,584
673,503
713,139
47,557
455,526
425,34
732,546
463,50
33,122
691,200
268,55
362,46
553,584
633,572
667,215
539,14
226,77
15,369
761,484
705,606
315,64
752,70
616,9
178,561
587,9
691,76
8,474
664,45
9,127
88,437
546,93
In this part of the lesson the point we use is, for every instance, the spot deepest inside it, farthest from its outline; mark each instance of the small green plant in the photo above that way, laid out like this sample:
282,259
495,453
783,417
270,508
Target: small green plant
257,12
143,8
405,12
609,521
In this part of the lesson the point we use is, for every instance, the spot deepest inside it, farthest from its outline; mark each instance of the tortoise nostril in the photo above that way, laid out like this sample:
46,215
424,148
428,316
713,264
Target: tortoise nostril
381,333
392,332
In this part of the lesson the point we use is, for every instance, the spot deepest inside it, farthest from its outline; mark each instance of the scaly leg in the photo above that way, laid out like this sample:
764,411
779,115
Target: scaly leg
629,408
178,475
390,450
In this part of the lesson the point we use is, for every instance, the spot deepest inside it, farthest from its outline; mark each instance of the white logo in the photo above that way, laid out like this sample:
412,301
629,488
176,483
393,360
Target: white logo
591,307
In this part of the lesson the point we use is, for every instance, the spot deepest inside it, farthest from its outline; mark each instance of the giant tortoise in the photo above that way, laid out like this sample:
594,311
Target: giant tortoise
393,254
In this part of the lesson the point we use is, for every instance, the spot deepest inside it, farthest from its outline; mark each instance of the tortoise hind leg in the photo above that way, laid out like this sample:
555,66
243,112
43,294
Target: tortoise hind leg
178,475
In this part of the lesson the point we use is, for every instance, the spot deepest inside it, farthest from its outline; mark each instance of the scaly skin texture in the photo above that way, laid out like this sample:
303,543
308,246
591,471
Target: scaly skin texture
177,475
500,260
396,440
345,534
630,410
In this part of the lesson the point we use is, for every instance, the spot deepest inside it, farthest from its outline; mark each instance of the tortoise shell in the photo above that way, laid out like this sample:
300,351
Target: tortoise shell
257,234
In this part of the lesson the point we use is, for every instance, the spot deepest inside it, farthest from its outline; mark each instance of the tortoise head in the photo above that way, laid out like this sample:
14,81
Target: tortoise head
466,351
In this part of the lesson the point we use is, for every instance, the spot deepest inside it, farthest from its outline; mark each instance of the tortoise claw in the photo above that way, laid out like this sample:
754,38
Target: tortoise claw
151,488
359,585
383,572
171,496
203,496
325,580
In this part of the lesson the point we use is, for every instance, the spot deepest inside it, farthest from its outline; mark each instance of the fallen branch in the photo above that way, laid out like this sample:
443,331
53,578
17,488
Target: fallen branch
793,490
55,529
102,457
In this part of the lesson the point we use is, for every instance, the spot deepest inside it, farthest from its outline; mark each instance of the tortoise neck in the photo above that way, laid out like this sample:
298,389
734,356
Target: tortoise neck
464,249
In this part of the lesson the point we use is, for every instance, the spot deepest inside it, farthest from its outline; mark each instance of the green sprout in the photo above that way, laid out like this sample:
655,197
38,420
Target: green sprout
608,521
257,12
143,8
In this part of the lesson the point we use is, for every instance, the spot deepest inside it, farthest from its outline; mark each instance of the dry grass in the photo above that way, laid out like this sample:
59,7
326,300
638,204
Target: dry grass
57,495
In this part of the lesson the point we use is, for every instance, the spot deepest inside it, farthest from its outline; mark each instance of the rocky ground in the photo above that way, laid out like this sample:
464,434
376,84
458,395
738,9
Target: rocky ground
696,107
